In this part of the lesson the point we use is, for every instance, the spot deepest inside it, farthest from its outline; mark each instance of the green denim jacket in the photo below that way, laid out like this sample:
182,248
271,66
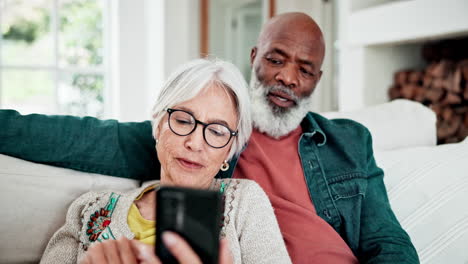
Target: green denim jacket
344,182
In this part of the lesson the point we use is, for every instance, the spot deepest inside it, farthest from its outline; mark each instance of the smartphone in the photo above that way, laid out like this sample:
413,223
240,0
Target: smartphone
193,214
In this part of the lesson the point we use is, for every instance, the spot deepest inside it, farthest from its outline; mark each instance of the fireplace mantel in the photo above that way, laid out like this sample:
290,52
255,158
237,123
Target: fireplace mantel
379,37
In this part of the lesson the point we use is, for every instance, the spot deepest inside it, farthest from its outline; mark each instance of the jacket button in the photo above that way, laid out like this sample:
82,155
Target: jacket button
327,213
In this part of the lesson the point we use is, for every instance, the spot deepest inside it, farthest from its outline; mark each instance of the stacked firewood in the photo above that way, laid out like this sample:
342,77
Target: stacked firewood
443,86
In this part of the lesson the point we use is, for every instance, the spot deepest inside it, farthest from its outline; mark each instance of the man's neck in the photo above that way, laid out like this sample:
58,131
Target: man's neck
289,134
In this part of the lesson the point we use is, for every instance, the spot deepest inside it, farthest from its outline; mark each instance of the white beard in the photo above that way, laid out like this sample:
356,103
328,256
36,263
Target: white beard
271,119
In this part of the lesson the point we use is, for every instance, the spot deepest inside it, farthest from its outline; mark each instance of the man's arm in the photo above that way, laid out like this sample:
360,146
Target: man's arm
382,239
86,144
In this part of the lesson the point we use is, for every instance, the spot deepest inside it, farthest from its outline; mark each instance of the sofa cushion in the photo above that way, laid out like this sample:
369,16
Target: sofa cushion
397,124
428,191
34,200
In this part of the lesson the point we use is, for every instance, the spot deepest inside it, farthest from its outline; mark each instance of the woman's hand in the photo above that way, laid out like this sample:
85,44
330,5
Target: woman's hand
112,251
132,252
225,256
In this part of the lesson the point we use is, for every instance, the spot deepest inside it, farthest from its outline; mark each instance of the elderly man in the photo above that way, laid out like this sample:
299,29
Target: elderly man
320,174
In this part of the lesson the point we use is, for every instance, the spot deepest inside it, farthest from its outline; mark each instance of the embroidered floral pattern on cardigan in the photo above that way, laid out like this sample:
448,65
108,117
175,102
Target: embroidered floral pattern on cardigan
99,221
227,188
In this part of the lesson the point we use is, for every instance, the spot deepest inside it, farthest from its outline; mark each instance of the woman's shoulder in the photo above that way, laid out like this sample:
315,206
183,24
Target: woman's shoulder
96,195
237,183
242,186
102,214
96,202
241,192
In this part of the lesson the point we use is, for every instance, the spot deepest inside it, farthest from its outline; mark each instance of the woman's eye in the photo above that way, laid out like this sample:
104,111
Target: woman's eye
216,132
184,122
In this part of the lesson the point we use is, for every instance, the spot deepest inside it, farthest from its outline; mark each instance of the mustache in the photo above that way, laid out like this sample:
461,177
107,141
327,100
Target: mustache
257,83
282,89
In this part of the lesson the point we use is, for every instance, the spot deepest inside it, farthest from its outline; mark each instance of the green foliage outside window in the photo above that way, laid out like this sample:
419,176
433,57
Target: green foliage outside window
28,39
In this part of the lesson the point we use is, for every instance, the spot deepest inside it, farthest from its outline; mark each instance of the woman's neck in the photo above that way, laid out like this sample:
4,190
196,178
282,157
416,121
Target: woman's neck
147,205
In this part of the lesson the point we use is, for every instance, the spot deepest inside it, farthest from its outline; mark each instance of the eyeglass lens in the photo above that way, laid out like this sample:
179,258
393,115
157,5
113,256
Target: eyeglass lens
183,124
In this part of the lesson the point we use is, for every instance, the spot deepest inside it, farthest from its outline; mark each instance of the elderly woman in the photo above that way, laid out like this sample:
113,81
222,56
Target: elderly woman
201,119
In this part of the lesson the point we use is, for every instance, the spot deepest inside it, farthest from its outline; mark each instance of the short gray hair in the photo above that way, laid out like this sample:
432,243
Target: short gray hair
189,79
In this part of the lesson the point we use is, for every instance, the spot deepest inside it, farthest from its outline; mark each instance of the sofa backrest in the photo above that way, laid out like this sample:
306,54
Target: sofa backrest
397,124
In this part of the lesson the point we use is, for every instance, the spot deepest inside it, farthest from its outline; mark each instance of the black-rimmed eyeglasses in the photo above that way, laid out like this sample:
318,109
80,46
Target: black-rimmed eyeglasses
183,123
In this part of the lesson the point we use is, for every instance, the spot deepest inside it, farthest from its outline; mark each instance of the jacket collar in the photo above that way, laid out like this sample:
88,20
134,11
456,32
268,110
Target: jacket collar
312,129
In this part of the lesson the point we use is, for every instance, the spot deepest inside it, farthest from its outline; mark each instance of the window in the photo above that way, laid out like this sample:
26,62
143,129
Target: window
53,56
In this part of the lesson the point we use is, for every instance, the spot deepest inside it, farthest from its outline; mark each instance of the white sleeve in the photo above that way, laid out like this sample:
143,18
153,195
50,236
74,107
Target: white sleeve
259,234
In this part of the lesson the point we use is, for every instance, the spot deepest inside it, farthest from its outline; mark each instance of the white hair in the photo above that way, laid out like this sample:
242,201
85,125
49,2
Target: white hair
191,78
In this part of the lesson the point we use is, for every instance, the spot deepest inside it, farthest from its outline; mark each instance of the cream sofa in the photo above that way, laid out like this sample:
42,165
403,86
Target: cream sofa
427,187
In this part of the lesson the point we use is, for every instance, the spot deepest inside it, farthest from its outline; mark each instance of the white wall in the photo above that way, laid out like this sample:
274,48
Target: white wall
150,39
128,59
155,48
181,34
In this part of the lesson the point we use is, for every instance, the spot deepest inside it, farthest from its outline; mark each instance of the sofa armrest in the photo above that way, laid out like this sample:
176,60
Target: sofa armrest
34,199
428,191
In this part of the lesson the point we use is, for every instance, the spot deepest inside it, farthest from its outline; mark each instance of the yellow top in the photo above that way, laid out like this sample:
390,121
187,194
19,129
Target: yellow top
144,230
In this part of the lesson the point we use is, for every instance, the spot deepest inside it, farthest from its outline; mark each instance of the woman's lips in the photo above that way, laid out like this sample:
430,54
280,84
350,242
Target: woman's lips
189,164
281,99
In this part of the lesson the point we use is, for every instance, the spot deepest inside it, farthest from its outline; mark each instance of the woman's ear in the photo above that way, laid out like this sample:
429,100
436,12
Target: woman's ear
228,152
157,132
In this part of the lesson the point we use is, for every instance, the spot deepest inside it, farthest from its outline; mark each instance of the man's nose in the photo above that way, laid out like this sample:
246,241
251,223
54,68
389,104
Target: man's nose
195,141
287,76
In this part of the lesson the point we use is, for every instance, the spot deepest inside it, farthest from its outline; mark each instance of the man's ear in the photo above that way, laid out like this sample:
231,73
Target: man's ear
253,54
320,76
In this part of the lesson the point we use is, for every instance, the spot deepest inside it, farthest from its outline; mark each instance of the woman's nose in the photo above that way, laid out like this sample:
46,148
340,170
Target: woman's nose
195,140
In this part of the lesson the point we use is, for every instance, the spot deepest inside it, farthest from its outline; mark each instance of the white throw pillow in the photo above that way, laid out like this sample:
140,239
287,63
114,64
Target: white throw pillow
34,200
428,191
397,124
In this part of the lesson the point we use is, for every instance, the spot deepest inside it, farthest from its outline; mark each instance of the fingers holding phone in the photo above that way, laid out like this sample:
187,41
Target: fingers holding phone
180,249
133,251
184,254
225,256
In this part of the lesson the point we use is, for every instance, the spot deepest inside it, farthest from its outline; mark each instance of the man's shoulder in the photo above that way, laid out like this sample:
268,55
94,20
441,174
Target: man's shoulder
339,127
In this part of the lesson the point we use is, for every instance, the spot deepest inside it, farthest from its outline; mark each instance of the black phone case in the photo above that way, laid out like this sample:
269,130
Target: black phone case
193,214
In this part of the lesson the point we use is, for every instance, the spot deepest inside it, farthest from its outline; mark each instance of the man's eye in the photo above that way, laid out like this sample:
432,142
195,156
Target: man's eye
274,61
307,72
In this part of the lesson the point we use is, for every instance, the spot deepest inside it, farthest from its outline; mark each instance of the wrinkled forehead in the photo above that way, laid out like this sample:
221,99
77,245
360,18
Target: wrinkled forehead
295,44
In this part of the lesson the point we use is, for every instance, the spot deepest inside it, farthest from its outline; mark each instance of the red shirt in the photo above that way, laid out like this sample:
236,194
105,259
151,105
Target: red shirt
275,165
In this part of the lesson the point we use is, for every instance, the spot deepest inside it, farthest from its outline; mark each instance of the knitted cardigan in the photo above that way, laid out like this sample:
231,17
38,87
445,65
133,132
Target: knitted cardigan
249,224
